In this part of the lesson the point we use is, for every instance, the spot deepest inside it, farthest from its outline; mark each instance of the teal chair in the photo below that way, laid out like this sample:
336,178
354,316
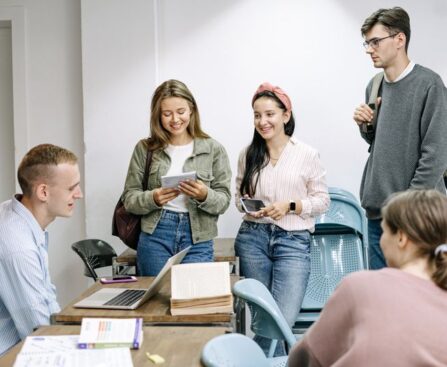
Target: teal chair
233,350
339,246
266,317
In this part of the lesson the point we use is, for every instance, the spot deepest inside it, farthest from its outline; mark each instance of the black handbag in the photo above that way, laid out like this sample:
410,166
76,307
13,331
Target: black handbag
125,225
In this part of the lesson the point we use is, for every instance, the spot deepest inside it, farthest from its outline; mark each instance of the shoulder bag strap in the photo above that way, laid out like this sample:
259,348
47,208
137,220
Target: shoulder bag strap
147,169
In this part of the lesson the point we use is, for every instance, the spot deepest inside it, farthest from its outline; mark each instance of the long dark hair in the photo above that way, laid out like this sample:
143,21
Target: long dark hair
257,155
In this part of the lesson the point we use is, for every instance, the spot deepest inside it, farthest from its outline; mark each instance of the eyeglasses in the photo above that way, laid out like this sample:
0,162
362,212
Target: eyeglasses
375,42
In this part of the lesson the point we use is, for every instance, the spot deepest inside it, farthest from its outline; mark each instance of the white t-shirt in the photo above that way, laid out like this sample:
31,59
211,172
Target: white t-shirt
179,154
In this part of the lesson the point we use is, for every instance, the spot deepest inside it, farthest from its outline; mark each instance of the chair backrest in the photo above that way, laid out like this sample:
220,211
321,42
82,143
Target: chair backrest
233,350
333,256
338,247
267,319
343,213
341,192
95,254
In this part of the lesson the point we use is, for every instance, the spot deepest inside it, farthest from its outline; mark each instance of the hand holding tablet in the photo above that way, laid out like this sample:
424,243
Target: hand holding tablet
174,181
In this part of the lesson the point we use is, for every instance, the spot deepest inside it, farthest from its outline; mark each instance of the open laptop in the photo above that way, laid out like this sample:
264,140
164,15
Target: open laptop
129,298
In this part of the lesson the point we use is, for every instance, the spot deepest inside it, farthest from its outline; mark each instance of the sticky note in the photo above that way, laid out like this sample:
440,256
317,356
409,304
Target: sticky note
155,358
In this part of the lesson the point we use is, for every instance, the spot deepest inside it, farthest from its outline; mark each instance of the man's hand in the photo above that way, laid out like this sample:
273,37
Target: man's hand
364,114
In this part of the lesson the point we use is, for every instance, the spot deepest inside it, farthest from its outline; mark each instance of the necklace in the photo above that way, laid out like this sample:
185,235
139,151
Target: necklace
278,151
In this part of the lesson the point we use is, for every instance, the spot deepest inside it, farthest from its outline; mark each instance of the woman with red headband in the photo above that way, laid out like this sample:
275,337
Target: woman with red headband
273,243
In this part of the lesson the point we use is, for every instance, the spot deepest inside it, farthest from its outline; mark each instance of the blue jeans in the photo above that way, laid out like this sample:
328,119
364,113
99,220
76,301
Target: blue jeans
376,258
172,235
281,261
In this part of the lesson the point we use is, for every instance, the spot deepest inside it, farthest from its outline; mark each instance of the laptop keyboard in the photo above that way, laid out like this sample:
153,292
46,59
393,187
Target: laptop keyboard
126,298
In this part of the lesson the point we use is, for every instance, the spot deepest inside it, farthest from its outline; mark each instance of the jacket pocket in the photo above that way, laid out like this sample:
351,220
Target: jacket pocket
206,177
154,180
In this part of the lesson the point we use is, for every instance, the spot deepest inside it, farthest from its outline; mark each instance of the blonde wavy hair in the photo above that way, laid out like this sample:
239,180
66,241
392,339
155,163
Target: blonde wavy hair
160,138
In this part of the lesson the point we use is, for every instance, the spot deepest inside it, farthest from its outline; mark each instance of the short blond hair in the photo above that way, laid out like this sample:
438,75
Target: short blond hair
37,164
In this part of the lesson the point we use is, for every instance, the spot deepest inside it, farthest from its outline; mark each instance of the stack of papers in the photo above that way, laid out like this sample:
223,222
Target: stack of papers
111,333
201,288
61,351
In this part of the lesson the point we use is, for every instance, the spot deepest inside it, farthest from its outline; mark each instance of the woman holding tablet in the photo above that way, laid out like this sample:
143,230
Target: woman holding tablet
176,217
394,316
273,243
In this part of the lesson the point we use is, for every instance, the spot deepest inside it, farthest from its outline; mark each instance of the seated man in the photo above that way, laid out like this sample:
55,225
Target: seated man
49,178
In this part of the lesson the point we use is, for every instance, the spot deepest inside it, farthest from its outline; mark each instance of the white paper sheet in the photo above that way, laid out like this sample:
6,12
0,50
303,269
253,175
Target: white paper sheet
50,344
61,351
173,181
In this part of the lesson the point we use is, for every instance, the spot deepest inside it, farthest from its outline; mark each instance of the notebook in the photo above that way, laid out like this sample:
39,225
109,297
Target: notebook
130,298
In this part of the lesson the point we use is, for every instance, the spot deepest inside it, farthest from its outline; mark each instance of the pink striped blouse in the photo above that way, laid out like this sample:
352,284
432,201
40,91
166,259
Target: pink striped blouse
298,175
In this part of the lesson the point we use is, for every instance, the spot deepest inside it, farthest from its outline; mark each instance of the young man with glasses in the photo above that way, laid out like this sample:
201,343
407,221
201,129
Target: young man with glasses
407,142
49,178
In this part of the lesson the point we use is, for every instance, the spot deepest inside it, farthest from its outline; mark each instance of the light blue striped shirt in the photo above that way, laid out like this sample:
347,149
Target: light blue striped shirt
27,296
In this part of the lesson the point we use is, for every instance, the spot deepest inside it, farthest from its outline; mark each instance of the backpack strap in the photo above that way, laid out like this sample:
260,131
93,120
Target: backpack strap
377,82
370,128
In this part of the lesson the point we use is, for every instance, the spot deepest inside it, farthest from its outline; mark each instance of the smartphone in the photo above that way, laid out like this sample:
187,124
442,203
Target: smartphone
252,205
118,279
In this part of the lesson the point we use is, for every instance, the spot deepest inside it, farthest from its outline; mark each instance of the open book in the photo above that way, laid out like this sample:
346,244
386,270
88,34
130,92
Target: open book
201,288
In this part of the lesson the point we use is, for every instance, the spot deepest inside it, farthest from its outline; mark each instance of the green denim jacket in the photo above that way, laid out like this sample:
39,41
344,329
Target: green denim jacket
209,159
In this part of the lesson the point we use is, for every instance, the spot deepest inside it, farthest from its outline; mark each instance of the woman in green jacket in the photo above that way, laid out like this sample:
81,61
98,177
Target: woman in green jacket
175,218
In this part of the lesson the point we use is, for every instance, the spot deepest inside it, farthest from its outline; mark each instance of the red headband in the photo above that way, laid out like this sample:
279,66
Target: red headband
277,91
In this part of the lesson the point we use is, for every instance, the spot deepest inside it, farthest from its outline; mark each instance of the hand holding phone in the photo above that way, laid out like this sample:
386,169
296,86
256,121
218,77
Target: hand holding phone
252,205
118,279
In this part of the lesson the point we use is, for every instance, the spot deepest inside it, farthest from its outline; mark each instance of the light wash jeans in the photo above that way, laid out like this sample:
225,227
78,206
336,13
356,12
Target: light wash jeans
281,261
172,235
375,254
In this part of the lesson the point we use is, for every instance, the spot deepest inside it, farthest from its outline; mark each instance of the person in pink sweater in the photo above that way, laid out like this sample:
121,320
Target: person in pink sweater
395,316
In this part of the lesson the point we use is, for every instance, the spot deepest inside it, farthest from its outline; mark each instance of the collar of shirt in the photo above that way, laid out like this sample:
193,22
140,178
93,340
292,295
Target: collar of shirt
40,235
404,73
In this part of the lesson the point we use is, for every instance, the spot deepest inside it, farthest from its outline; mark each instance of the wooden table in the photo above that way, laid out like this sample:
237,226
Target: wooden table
154,311
223,251
178,345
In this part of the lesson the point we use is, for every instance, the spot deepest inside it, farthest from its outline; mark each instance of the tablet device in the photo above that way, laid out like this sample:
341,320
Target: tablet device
252,205
173,181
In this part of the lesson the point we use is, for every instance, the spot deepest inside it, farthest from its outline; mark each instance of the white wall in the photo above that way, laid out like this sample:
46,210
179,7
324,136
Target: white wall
118,78
223,50
52,34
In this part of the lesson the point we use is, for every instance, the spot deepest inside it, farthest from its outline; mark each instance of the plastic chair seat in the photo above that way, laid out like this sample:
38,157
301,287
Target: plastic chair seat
233,350
332,258
339,246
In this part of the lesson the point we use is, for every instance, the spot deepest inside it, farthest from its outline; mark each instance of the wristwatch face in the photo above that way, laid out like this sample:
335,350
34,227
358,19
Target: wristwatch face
292,206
